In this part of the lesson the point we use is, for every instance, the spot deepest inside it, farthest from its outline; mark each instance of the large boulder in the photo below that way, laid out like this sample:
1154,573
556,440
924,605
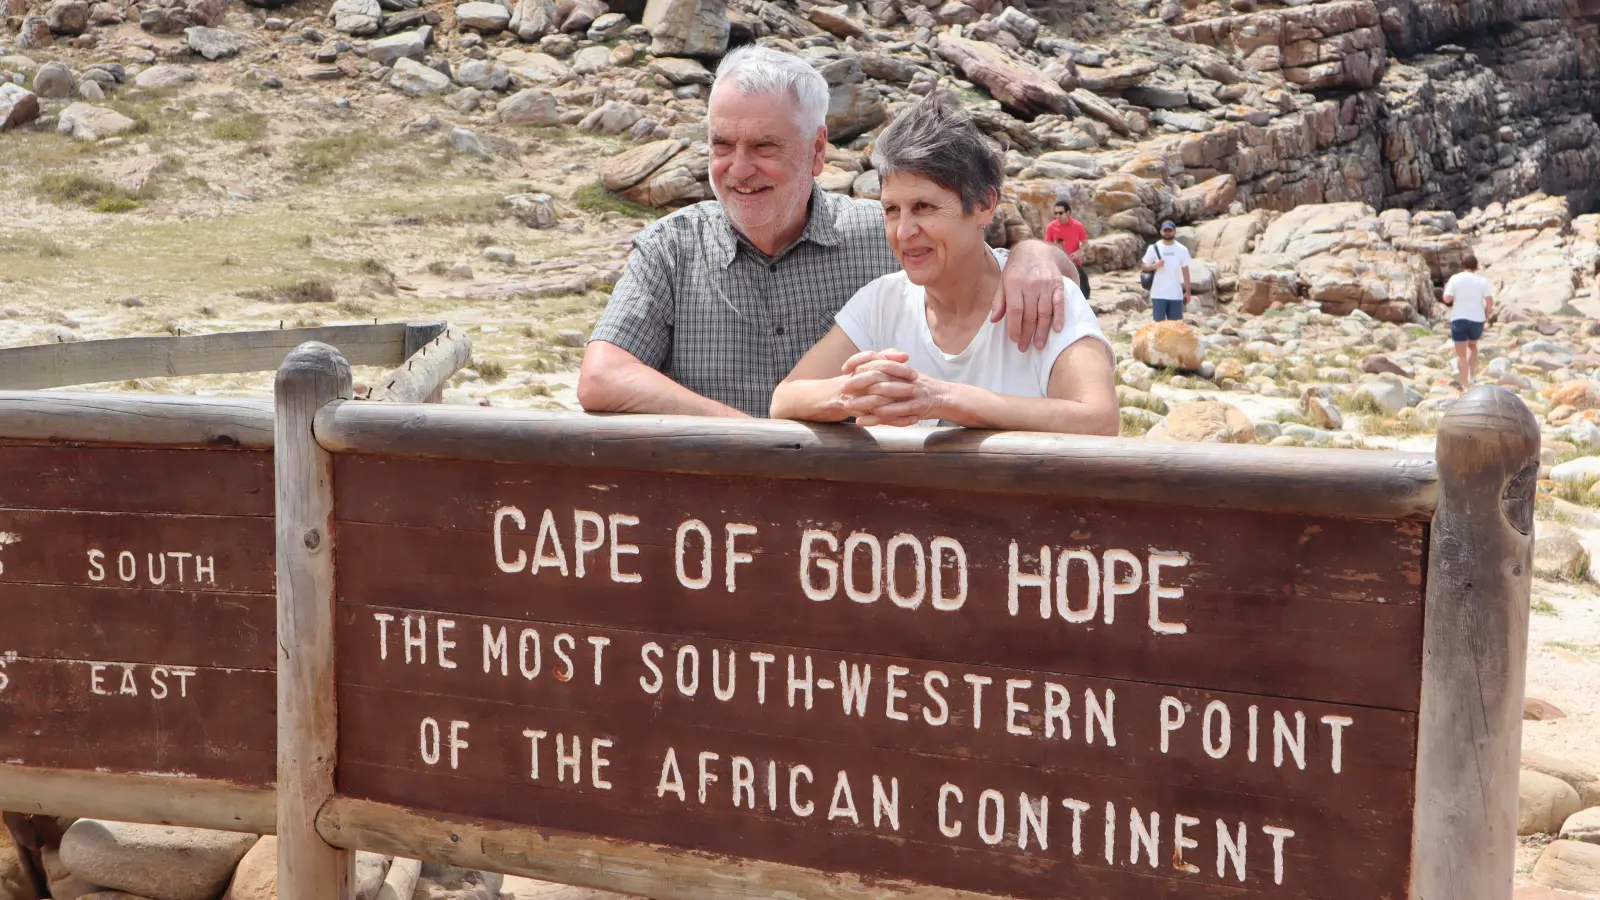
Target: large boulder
215,43
386,51
1170,345
679,181
533,19
174,16
687,27
93,123
853,110
67,17
1557,553
1584,778
53,81
1206,421
529,106
356,17
18,106
1583,825
15,884
1387,392
156,861
256,877
630,167
1019,87
1569,866
1543,803
416,79
614,117
484,17
162,78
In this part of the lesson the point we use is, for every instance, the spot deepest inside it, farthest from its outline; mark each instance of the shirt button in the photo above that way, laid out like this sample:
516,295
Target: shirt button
772,267
780,329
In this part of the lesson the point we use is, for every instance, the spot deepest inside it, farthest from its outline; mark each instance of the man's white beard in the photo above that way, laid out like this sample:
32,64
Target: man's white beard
777,212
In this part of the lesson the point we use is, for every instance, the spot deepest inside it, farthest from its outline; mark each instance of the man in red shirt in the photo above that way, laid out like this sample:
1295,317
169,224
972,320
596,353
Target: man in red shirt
1069,234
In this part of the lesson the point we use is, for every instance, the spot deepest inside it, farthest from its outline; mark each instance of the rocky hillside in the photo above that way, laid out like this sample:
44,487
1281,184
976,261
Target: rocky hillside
1217,114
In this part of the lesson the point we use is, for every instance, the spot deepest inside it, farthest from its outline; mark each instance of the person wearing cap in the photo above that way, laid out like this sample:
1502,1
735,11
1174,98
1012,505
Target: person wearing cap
1169,260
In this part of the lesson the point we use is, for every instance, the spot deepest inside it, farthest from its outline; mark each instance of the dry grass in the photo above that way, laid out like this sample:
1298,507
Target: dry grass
85,190
1384,426
594,198
1358,402
489,369
243,128
310,290
480,208
318,158
1577,491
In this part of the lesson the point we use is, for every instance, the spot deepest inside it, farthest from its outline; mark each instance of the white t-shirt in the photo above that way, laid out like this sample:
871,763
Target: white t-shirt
891,312
1169,278
1469,290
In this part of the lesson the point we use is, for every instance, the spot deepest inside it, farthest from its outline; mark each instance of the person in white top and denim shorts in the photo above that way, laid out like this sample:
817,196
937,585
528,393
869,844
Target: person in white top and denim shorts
1471,301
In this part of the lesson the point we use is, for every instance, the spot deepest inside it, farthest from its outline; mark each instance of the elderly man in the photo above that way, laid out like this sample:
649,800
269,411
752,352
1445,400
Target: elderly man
720,300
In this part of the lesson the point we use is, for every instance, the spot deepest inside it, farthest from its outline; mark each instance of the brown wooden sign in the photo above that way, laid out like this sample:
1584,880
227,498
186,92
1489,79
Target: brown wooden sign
989,692
136,591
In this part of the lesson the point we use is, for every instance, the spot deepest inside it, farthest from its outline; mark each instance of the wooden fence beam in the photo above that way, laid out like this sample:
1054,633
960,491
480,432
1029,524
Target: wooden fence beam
422,377
136,419
1474,651
308,868
1304,481
152,799
119,359
627,867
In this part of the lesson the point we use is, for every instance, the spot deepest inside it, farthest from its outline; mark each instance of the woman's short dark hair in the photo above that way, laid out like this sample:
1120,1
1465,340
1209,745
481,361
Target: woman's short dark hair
935,139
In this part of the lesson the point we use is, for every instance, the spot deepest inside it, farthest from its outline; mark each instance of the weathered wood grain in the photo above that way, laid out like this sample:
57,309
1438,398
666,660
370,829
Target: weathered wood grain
422,376
1262,586
1248,552
1335,854
732,691
109,715
136,419
218,554
654,870
157,800
1303,481
308,869
158,627
1475,650
134,480
119,359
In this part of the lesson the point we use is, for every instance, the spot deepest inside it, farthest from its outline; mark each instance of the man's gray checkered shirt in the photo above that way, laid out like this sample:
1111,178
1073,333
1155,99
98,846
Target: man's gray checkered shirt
702,305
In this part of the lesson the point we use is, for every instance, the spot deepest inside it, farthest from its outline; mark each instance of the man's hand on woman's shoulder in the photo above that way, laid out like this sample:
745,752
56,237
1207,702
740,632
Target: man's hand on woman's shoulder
1032,299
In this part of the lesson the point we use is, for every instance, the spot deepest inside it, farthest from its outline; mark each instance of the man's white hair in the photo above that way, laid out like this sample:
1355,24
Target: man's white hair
757,70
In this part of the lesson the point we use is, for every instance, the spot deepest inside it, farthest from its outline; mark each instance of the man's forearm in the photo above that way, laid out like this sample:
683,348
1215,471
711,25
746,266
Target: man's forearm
633,387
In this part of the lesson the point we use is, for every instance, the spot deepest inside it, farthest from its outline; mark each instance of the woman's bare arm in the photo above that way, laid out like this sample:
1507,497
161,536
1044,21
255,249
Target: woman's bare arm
811,391
1082,398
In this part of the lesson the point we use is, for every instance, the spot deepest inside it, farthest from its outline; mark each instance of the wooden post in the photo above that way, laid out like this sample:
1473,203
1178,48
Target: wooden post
312,375
1474,651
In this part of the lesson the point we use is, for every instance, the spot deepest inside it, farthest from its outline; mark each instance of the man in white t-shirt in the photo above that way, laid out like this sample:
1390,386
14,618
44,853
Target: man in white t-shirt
1169,260
1471,301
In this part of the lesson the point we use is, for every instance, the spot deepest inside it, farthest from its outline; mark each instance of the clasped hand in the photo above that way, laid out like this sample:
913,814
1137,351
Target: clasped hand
881,388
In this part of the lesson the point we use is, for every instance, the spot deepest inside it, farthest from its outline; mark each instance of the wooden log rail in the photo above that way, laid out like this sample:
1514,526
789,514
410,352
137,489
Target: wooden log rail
122,359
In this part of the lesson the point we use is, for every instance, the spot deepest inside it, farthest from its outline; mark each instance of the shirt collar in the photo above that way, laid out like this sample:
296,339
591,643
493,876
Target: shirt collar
822,228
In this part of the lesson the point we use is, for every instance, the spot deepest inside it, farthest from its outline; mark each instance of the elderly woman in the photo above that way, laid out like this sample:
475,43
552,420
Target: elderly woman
918,345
